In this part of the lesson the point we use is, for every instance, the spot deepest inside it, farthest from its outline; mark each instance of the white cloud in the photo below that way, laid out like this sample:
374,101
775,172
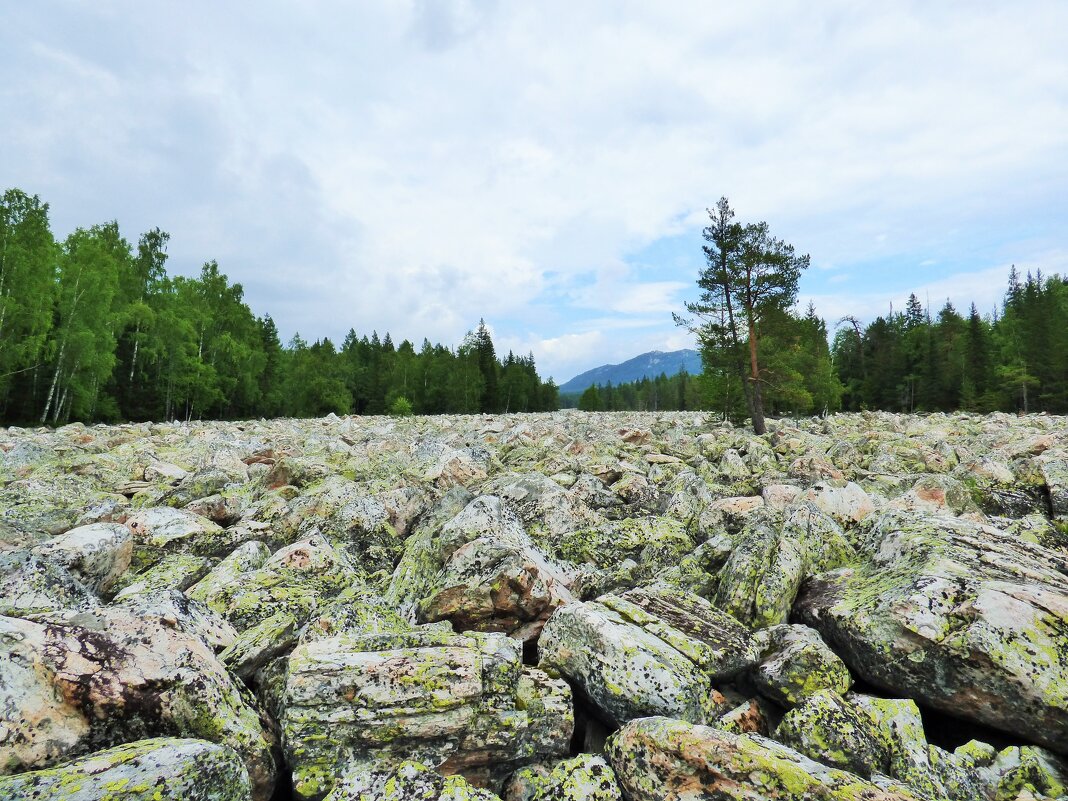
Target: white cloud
415,166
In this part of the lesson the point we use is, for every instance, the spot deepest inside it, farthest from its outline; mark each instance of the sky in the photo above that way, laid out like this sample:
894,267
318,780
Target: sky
415,166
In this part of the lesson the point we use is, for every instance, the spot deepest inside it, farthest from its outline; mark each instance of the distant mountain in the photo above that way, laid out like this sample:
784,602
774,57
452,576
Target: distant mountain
648,365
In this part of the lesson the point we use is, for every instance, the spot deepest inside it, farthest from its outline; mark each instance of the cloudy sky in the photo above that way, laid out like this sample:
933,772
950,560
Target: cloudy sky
414,166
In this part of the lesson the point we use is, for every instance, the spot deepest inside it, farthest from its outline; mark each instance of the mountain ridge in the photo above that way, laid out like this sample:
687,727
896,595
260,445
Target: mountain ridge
645,365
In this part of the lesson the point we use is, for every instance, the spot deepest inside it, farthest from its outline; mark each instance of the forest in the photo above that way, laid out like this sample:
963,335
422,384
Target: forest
1014,359
93,328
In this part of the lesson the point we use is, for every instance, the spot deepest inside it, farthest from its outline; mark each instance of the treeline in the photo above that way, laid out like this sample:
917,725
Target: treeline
1015,359
94,329
674,393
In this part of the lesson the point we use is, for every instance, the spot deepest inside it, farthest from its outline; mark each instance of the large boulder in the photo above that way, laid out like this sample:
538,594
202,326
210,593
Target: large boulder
97,554
163,769
795,663
31,584
299,579
656,651
89,680
407,781
958,615
670,760
586,777
458,703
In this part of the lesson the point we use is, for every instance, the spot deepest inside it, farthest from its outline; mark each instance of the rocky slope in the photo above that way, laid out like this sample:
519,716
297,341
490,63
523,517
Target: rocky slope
567,606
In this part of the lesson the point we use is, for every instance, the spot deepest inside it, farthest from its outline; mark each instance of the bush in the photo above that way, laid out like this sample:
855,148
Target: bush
401,407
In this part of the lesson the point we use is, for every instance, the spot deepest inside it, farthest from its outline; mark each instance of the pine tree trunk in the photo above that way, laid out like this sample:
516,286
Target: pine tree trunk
756,396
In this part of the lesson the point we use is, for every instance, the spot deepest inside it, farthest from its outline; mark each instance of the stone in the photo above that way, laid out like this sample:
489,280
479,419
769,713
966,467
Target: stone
175,571
245,558
407,781
31,584
94,680
457,703
958,615
97,554
1026,772
498,581
845,501
827,728
300,579
160,530
586,777
671,760
256,646
163,769
795,663
625,552
746,718
762,575
646,653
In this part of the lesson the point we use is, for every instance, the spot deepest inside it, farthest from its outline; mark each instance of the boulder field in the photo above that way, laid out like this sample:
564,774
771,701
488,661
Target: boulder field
551,607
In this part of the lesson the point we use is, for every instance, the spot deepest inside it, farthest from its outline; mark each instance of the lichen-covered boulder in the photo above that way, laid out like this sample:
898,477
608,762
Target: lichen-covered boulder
900,728
354,522
625,552
178,611
937,494
1026,773
845,501
648,652
670,760
496,586
1053,467
245,558
748,717
795,663
820,538
256,646
97,554
95,679
586,777
456,521
407,781
761,577
30,584
299,579
458,703
829,729
956,614
163,769
547,510
159,530
175,571
498,580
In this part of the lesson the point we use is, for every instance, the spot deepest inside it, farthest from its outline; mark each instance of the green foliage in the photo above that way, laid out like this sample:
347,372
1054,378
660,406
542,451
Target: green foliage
91,330
28,261
909,361
590,401
749,281
401,407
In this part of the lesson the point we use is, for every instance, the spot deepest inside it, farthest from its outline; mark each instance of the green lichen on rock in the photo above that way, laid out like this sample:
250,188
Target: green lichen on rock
175,571
458,702
829,729
956,614
164,769
795,663
586,777
671,760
